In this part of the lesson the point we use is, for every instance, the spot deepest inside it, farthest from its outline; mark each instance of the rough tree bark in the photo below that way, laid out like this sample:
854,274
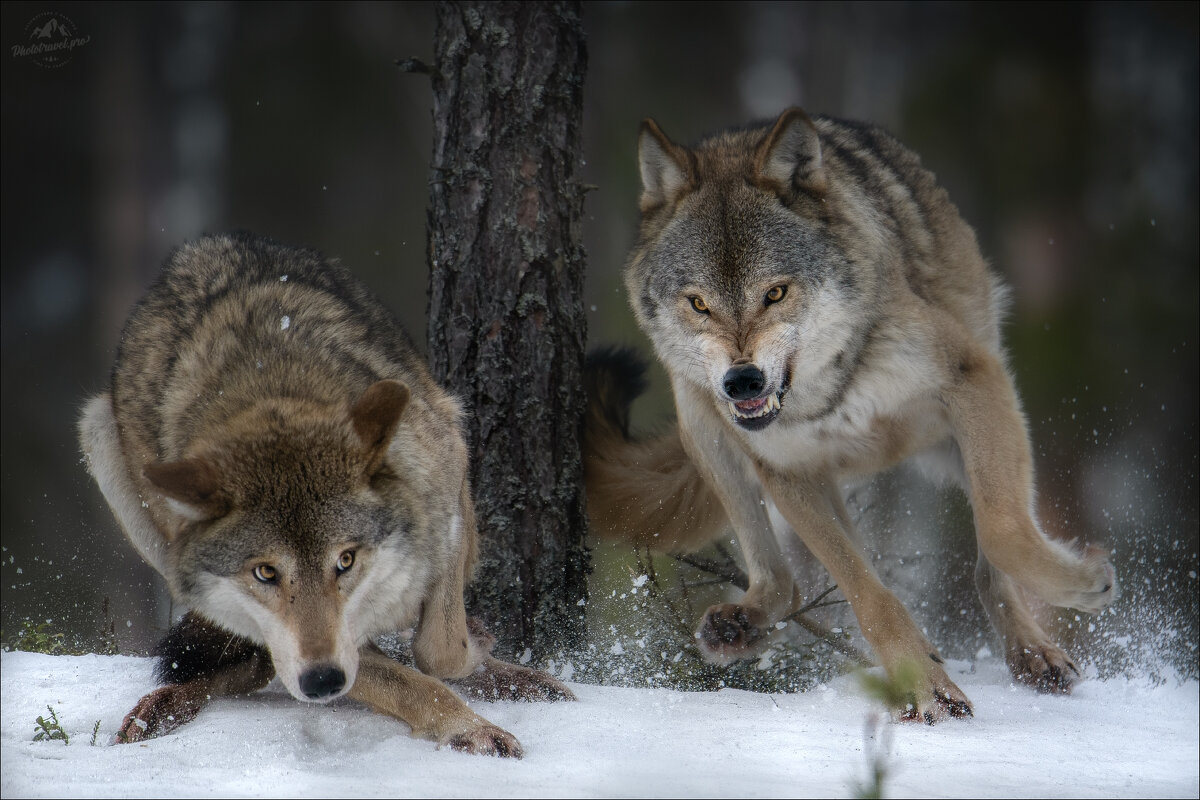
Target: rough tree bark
506,323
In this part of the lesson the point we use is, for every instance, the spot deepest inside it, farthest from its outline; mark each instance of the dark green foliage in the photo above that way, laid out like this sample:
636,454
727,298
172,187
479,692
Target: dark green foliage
39,637
50,729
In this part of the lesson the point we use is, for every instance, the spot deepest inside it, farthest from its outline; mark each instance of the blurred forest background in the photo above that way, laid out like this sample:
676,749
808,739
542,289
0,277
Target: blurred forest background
1066,133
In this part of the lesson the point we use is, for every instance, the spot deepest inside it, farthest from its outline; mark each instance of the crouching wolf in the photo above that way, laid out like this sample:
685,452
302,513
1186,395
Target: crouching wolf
273,445
823,313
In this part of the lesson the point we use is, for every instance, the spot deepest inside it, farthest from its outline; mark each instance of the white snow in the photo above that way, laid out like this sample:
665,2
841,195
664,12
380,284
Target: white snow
1114,738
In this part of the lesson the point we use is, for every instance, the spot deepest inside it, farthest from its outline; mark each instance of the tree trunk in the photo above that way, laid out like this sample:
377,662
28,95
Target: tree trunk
506,323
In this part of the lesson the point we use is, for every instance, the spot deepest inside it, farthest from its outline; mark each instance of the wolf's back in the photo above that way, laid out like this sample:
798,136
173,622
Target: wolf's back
645,491
235,318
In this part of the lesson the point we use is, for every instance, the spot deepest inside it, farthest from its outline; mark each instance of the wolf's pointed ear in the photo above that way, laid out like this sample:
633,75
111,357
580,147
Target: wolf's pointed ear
192,487
375,417
666,167
789,158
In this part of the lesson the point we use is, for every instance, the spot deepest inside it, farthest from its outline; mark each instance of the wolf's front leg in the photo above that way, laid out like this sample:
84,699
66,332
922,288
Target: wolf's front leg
731,631
199,662
428,706
814,509
990,431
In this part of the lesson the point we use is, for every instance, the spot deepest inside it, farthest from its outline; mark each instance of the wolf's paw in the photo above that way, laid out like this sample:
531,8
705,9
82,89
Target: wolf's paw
730,632
158,713
499,680
487,740
1043,666
935,700
1095,587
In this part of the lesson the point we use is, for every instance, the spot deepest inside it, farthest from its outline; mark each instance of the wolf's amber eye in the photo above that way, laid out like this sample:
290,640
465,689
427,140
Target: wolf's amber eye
774,294
265,573
345,561
699,304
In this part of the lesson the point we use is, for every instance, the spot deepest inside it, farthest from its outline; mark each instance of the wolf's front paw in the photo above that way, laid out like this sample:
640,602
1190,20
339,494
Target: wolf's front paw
158,713
487,740
730,632
935,700
1042,665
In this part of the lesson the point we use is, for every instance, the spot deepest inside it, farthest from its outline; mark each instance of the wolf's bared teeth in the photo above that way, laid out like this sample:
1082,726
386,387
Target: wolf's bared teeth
762,408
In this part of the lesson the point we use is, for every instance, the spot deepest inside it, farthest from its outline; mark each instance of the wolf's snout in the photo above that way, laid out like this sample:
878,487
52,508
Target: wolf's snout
744,382
322,681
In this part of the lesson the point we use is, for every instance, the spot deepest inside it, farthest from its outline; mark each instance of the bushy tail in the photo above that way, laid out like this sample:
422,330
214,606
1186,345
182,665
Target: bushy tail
647,491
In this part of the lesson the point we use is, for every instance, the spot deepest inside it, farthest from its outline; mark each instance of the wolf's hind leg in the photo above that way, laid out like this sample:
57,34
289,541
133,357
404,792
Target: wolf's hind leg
1032,657
198,661
990,431
427,706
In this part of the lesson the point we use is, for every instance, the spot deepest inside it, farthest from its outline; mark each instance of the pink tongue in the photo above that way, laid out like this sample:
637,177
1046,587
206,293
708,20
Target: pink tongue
751,405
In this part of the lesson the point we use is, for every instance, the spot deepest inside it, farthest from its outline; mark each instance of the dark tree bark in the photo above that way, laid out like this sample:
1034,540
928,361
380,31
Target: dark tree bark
506,323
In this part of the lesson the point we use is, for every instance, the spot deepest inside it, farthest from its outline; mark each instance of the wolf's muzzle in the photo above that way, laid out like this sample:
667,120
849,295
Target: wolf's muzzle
322,681
750,406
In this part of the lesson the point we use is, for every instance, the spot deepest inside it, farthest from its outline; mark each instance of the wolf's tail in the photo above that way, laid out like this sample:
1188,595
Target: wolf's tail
645,491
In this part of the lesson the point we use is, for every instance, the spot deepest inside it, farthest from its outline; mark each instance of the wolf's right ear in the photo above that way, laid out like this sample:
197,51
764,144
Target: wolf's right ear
192,487
375,417
789,158
666,167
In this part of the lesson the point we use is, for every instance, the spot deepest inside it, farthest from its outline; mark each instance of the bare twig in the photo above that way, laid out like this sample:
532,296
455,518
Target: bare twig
417,66
726,572
833,640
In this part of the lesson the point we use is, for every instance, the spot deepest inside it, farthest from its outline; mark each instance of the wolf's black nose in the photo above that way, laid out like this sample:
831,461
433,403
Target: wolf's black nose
744,382
322,681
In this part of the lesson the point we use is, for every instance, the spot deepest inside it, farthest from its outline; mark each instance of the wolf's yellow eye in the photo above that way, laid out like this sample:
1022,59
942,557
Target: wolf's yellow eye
699,304
265,573
774,294
345,561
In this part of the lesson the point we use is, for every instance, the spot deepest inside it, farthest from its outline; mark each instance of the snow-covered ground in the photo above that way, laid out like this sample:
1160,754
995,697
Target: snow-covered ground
1114,738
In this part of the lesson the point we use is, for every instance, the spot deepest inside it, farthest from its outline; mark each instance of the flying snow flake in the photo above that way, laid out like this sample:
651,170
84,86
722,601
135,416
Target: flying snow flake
285,322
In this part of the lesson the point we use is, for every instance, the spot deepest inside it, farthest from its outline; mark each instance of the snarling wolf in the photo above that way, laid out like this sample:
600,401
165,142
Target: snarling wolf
273,445
823,313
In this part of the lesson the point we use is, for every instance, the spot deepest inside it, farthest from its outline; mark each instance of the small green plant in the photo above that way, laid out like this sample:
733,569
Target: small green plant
107,645
50,728
95,732
897,691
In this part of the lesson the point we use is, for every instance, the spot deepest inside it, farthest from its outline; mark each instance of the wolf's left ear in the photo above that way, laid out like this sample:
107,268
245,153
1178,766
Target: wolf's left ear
666,167
192,487
375,417
789,158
